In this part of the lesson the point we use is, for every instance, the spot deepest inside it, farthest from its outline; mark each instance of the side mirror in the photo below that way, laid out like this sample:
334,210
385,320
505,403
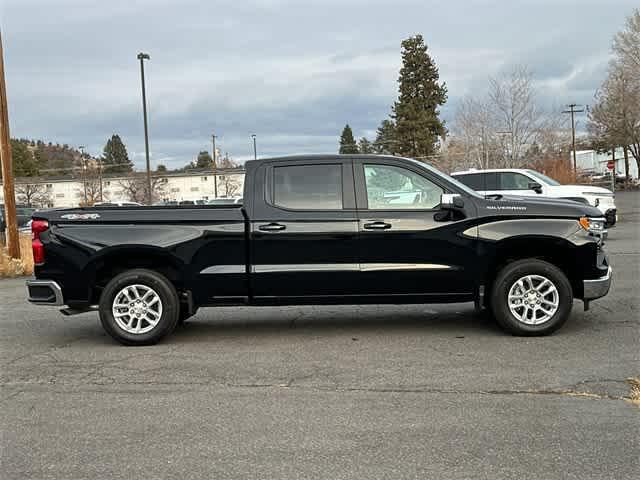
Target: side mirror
451,201
536,187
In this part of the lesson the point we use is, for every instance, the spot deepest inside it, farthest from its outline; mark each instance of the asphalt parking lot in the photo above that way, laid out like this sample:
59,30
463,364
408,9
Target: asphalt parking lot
327,392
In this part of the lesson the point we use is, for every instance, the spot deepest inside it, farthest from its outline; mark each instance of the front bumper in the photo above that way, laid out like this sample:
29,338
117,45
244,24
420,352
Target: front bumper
597,287
45,292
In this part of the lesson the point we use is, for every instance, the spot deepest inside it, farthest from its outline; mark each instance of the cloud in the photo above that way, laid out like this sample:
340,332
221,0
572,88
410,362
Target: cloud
292,72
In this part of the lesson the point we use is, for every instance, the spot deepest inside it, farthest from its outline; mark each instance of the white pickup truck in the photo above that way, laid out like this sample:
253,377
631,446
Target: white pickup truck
525,182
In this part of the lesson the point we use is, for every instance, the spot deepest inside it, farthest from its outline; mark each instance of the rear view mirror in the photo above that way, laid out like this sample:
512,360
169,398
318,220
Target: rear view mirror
451,201
535,186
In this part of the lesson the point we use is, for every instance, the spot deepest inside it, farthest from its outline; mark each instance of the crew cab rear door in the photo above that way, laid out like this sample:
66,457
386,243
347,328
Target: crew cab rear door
304,230
405,247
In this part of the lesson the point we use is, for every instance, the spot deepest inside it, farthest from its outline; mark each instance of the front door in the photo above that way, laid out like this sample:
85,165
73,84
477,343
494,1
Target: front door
406,247
305,232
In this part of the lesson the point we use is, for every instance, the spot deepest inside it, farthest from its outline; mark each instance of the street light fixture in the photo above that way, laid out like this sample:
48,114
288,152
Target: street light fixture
142,57
255,150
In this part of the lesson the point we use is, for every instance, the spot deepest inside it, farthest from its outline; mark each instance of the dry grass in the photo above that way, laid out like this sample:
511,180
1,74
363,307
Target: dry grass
634,396
10,267
556,168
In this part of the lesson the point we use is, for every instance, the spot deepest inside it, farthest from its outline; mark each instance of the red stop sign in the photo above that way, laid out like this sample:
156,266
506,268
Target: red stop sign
611,164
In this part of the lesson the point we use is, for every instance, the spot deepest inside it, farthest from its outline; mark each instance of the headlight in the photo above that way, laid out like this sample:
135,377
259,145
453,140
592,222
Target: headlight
593,225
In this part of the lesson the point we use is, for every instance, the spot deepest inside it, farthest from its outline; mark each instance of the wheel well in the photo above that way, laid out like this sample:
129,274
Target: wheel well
102,270
558,252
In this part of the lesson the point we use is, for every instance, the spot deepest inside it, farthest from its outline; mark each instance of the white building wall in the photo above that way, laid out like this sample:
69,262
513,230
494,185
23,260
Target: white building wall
69,193
594,162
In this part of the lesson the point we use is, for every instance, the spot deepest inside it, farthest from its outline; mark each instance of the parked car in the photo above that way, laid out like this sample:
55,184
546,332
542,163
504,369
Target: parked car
525,182
320,230
117,204
23,215
225,201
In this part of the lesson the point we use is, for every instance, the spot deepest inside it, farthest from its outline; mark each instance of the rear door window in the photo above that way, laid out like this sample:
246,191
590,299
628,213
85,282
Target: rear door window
308,187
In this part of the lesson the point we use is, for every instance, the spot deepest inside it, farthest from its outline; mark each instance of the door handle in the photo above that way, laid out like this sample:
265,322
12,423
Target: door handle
377,226
272,227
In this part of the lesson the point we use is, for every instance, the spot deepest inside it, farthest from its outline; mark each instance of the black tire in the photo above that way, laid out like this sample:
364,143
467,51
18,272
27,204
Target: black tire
164,290
509,276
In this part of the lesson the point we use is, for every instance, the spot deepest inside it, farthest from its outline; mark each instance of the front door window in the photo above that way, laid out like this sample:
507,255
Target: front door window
396,188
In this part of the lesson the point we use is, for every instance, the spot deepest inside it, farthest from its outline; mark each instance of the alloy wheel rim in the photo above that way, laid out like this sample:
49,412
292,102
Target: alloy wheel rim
533,299
137,309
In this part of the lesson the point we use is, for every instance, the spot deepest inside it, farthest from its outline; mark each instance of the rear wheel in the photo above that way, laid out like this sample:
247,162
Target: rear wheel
139,307
531,297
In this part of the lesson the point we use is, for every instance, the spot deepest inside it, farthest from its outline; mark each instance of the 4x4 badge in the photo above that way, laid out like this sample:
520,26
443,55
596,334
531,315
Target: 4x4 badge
80,216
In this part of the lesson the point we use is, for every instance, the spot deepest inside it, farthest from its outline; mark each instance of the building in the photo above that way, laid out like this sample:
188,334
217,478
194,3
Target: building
593,162
69,191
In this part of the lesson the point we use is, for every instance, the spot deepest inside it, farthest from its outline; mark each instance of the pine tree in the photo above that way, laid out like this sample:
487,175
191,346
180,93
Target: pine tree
24,164
365,146
417,123
385,142
115,157
347,142
204,160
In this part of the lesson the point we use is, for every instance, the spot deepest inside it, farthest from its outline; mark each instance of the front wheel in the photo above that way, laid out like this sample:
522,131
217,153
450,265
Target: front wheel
139,307
531,297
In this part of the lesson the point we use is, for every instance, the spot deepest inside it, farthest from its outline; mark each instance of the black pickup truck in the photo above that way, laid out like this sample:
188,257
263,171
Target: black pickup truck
330,229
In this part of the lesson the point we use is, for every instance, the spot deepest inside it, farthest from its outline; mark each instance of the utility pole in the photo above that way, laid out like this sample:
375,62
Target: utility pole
100,177
573,110
255,150
83,164
215,167
13,239
142,57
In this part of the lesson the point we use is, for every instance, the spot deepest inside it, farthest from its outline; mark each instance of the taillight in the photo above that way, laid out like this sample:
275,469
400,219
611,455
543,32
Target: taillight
37,227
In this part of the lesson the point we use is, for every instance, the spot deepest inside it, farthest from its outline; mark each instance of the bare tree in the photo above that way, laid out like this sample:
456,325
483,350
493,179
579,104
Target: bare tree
507,127
626,43
91,187
475,134
513,101
33,194
615,118
135,188
231,185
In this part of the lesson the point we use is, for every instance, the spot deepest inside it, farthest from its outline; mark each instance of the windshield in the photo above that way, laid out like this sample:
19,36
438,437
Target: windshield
458,184
544,178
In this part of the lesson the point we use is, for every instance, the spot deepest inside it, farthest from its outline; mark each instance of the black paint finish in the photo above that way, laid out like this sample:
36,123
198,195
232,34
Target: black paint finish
264,254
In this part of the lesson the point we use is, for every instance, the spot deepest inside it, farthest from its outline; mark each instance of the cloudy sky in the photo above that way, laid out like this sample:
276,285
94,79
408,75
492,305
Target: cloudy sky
293,72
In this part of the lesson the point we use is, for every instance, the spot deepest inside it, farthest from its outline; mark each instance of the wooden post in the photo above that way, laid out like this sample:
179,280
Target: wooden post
13,240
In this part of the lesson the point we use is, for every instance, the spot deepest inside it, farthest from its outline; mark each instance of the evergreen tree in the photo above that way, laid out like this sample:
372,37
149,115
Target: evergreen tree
24,164
365,146
385,142
204,160
417,123
347,142
115,157
161,168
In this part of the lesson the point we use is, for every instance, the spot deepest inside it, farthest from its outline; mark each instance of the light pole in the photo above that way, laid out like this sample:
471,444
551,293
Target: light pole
215,167
255,150
142,57
84,174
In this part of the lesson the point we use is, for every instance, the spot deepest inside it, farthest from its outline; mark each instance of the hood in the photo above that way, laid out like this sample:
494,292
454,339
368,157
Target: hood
513,205
572,190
